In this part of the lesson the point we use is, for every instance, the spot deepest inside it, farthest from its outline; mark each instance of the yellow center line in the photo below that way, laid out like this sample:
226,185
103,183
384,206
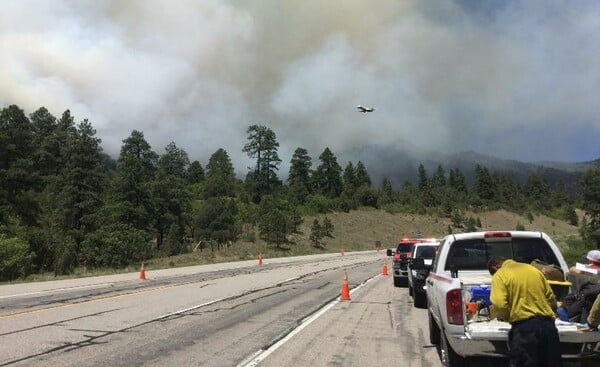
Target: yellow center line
97,299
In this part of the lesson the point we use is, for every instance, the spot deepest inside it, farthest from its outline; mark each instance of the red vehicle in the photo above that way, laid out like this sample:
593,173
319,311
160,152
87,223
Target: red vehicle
400,259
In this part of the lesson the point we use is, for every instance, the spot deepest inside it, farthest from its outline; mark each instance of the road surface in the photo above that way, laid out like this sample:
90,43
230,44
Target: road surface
286,312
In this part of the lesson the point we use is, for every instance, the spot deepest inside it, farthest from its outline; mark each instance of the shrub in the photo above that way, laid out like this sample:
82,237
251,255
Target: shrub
115,245
367,196
317,204
15,258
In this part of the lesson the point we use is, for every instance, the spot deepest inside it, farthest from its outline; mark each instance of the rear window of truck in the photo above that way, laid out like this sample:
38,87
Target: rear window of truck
474,254
405,247
427,252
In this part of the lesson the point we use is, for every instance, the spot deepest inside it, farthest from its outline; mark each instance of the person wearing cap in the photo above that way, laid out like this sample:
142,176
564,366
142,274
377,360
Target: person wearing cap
522,296
593,263
593,258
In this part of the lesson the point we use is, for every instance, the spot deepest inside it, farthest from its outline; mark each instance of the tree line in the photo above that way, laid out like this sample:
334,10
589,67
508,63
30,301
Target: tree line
65,203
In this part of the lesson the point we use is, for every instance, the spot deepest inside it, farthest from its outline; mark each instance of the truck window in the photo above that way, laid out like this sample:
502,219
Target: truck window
473,254
405,247
427,252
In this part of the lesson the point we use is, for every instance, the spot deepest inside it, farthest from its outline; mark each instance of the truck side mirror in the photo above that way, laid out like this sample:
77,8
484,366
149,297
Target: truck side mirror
389,252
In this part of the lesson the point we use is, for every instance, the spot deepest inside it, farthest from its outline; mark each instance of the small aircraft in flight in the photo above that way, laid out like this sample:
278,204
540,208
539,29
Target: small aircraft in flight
365,109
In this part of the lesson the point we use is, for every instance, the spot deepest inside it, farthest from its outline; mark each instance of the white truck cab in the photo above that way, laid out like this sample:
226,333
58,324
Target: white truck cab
459,276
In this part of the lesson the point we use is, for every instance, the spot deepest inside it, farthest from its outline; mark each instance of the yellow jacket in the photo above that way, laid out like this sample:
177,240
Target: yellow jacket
520,291
594,316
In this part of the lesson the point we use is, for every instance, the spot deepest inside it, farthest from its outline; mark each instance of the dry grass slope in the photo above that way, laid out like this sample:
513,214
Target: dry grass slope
358,230
353,231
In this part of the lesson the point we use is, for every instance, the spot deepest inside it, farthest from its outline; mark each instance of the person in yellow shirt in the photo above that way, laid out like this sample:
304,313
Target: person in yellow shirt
593,319
522,296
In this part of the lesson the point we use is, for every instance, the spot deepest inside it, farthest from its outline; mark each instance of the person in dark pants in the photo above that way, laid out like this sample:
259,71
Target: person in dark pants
521,295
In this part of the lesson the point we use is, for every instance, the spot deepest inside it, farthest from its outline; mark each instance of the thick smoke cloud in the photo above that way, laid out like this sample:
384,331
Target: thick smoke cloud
513,79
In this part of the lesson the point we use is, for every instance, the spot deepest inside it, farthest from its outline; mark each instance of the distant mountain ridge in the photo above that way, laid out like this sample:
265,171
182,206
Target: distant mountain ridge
401,166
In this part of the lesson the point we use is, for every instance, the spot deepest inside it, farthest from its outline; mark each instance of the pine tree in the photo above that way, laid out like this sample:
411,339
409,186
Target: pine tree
132,184
483,185
571,216
220,177
79,188
195,173
17,174
423,182
217,219
273,227
425,189
349,179
362,176
316,233
387,190
438,179
171,197
327,227
46,146
457,181
262,145
300,173
327,177
590,202
536,191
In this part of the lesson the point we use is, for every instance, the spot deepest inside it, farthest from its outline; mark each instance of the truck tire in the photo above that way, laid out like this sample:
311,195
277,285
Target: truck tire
434,331
448,356
410,290
397,282
419,299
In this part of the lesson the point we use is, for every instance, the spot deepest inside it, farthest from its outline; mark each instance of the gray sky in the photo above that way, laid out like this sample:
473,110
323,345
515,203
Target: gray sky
512,79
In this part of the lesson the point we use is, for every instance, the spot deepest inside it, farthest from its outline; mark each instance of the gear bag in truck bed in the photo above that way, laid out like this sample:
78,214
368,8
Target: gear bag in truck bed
578,303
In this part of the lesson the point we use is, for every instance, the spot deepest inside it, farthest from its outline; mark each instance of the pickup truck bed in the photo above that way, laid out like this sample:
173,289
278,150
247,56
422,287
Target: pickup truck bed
457,270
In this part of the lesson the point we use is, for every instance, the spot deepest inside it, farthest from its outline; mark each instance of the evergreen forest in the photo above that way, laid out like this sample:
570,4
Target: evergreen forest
65,203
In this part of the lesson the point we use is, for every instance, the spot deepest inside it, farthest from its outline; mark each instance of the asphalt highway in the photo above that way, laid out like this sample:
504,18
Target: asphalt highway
285,312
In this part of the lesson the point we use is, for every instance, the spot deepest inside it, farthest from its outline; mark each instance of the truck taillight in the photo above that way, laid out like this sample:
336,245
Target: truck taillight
454,307
497,235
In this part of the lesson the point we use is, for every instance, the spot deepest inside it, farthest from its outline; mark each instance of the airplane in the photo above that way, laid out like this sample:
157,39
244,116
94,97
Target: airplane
365,109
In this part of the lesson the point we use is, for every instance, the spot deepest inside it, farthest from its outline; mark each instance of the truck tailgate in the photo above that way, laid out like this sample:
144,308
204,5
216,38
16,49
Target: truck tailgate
498,330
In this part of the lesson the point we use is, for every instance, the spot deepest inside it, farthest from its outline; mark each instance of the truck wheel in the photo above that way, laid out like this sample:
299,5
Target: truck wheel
434,331
420,299
397,282
448,356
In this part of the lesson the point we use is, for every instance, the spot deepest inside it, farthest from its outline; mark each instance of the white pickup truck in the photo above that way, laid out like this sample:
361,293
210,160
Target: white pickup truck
459,272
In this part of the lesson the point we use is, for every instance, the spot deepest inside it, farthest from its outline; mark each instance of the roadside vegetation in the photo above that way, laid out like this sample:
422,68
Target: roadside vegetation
67,208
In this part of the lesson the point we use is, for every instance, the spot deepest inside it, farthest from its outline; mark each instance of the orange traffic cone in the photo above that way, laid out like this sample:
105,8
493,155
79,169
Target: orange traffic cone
260,262
342,251
384,269
142,272
345,294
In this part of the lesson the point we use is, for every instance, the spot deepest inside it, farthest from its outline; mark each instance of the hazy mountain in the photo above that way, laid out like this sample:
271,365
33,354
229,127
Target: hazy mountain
401,165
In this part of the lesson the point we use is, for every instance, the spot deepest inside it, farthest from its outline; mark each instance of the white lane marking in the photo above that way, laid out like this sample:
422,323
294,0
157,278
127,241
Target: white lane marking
258,356
204,304
188,309
58,290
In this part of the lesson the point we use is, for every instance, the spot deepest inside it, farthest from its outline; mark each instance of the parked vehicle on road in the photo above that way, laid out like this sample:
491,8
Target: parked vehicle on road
423,253
459,278
400,259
